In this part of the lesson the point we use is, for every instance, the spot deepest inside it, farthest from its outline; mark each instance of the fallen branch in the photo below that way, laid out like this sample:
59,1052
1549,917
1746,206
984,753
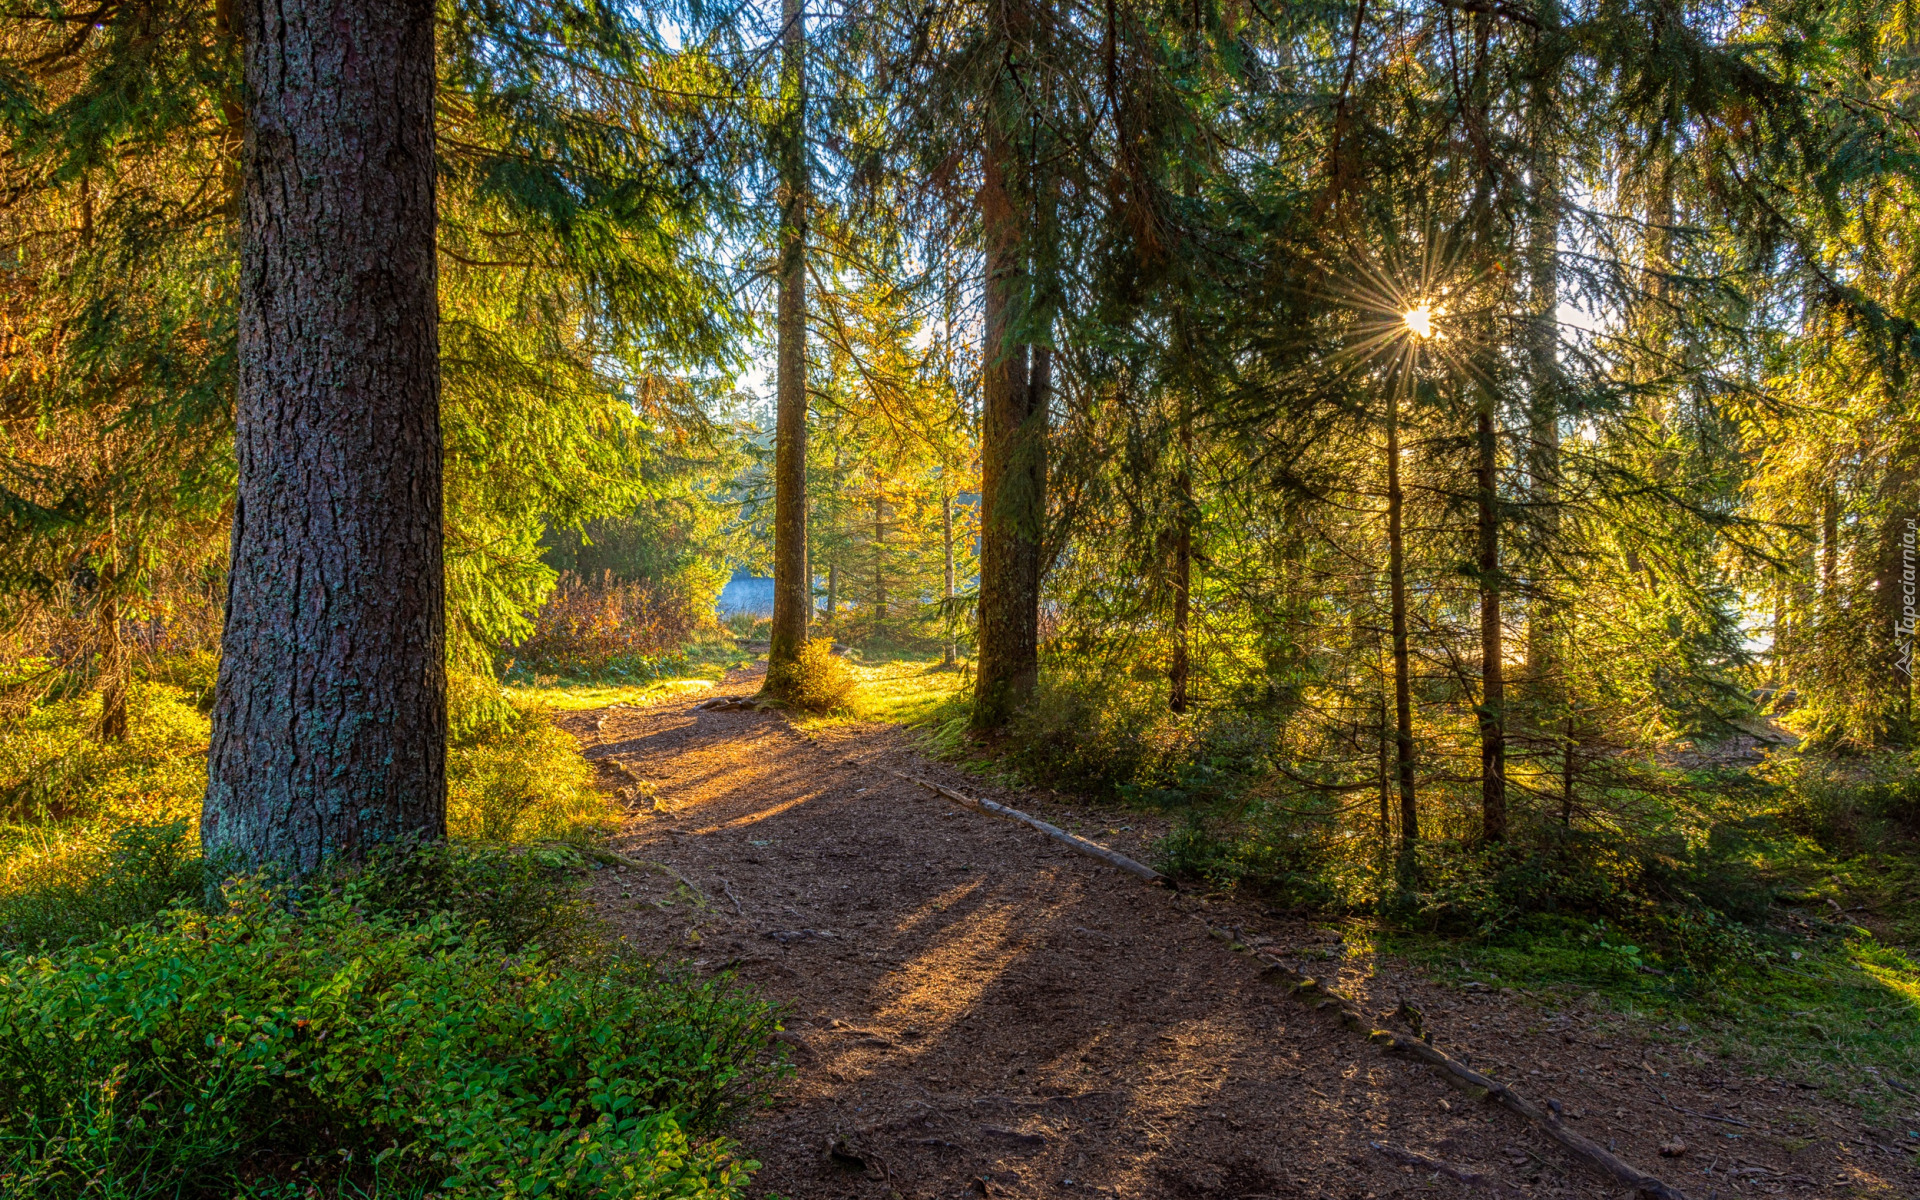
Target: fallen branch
1421,1162
615,858
1460,1075
1094,849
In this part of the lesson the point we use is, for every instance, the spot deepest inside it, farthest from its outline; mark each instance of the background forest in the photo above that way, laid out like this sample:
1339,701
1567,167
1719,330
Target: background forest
1458,459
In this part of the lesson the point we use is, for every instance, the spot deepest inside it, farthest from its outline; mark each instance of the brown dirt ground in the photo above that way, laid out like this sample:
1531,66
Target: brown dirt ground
973,1009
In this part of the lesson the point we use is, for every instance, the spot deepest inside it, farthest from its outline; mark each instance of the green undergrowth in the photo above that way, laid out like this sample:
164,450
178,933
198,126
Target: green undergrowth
914,689
446,1022
1773,912
95,835
817,681
697,668
1844,1016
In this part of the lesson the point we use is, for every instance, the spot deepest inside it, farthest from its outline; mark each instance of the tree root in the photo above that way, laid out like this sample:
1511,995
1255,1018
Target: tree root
615,858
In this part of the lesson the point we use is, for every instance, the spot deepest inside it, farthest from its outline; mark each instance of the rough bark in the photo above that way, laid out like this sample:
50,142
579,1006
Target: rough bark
1829,546
1402,672
329,726
1493,692
1385,744
791,586
116,664
1013,467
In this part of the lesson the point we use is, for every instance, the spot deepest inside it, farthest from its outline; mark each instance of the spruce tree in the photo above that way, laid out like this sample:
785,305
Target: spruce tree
329,724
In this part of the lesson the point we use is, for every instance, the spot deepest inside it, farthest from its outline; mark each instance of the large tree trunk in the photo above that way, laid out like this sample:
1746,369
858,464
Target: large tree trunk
329,728
1402,666
791,586
1013,467
1493,692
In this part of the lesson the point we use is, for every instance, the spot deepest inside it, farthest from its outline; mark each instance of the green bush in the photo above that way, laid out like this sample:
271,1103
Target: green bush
818,680
1657,899
518,897
1097,734
85,891
1859,805
512,775
53,768
289,1044
1286,857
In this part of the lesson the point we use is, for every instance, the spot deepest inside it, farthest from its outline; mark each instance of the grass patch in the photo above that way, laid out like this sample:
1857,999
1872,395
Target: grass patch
905,689
703,665
1844,1016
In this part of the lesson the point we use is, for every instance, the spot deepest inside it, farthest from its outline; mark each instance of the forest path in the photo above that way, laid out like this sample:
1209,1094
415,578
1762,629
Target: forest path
974,1009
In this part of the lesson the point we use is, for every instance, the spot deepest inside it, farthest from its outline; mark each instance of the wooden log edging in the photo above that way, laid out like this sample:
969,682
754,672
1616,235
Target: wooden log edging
1094,849
1317,995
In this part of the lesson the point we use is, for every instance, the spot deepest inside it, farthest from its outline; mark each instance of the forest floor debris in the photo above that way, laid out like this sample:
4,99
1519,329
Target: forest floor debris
975,1006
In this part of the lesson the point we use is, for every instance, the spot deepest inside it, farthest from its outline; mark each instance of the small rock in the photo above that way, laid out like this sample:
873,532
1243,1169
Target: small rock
1673,1149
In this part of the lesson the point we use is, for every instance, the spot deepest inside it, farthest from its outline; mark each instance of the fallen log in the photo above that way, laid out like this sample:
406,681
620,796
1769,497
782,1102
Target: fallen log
1093,849
1312,992
1460,1075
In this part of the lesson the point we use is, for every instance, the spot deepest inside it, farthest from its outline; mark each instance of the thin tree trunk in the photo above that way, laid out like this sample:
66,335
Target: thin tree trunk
1402,668
1178,673
1385,741
1543,372
1015,379
115,663
1493,697
879,558
951,652
1829,545
1777,655
833,590
1566,775
791,585
330,722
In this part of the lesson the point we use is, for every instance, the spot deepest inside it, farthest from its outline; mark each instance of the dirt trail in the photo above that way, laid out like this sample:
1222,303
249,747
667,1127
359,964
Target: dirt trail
977,1010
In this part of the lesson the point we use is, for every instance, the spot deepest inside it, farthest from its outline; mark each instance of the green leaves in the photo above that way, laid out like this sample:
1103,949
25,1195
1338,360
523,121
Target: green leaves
167,1058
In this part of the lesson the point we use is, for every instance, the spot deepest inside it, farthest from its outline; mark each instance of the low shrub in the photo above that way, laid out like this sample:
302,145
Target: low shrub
1094,735
53,768
817,681
512,775
1287,858
300,1044
604,629
78,889
520,897
1658,900
1850,807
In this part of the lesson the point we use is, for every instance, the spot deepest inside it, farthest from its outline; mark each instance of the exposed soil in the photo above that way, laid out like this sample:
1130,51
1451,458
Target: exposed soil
974,1009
